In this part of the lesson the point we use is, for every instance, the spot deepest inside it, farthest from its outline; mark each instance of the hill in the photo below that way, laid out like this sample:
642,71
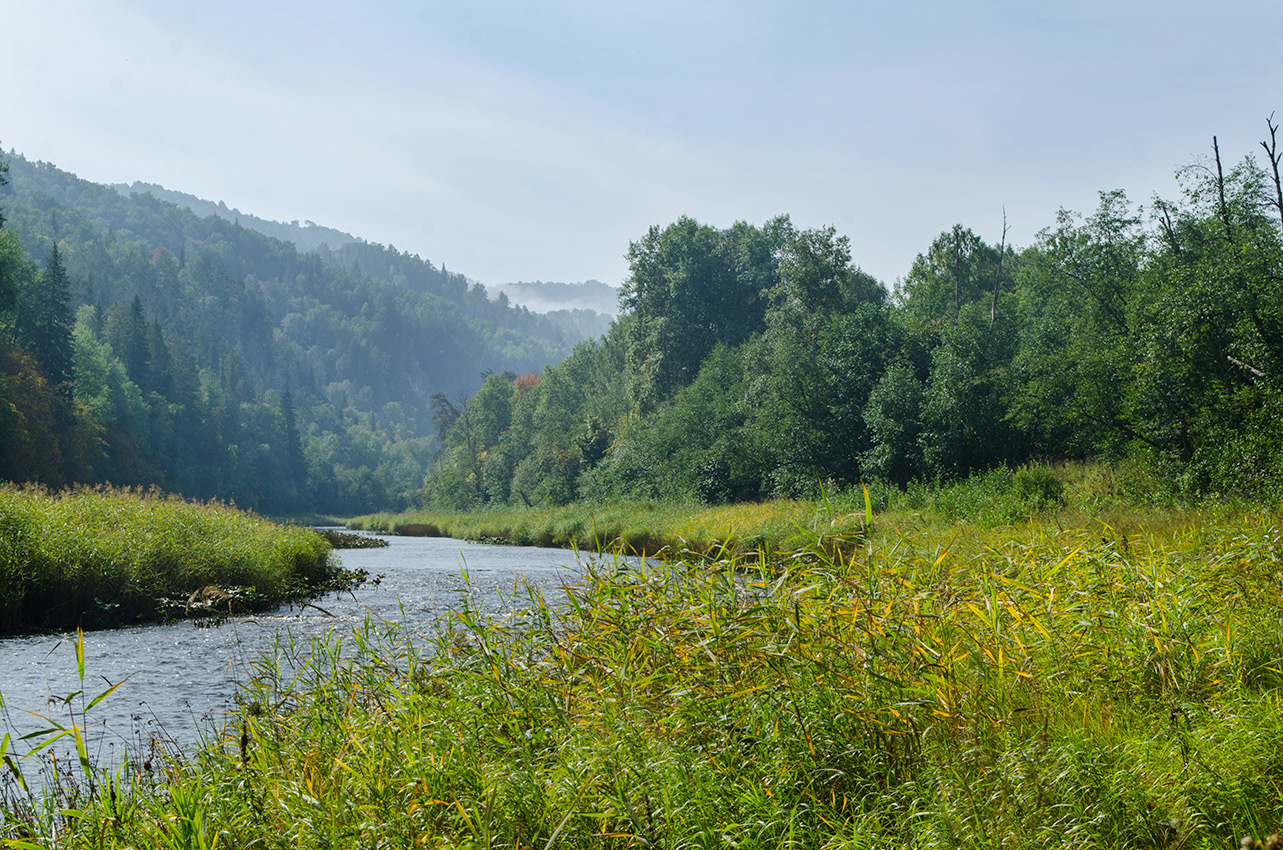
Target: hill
305,237
218,361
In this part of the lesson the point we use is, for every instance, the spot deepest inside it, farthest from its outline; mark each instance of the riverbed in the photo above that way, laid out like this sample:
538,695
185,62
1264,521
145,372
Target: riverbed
180,678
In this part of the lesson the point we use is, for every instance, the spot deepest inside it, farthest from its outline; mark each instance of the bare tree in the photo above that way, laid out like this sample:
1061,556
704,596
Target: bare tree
1272,151
997,277
957,261
1220,190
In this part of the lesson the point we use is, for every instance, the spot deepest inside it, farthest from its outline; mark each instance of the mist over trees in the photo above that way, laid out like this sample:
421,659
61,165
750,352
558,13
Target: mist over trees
141,344
759,361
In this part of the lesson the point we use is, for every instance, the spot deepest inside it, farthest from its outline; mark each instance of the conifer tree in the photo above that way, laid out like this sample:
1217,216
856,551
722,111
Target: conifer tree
4,181
294,460
50,329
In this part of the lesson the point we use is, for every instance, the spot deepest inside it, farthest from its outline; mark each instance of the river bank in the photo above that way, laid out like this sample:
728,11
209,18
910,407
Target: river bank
634,528
103,557
1074,492
1034,684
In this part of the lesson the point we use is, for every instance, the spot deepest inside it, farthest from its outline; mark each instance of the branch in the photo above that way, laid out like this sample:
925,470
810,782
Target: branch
1121,427
1169,228
997,278
1255,371
1271,150
1220,190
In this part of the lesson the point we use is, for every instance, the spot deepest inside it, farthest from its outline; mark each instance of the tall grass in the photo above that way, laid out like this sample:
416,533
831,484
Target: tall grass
634,528
98,557
999,497
1032,686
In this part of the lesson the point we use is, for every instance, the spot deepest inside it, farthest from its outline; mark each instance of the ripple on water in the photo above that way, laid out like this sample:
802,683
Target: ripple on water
182,677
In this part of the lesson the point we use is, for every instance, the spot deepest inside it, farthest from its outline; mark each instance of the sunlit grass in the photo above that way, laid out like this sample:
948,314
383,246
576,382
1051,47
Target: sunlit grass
635,527
1116,495
97,557
1038,684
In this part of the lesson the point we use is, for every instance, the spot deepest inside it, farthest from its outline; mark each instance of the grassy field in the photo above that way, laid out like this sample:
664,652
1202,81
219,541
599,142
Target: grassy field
104,557
1066,680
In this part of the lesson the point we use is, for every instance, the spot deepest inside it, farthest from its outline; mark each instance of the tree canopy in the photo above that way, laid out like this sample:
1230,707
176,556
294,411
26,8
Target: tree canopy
760,361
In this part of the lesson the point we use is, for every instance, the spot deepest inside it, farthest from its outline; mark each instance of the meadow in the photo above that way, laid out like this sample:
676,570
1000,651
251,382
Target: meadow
1059,679
101,557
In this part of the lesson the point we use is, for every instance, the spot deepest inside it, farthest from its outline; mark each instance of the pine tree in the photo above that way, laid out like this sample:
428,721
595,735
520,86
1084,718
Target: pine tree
127,332
50,330
4,181
294,460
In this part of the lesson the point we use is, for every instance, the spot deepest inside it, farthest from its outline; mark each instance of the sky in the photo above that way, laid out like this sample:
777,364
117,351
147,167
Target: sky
533,141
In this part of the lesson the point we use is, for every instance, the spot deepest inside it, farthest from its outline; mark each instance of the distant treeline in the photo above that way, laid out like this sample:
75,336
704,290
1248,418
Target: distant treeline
141,344
760,361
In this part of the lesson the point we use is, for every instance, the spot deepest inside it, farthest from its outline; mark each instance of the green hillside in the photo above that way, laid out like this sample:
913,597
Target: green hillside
204,357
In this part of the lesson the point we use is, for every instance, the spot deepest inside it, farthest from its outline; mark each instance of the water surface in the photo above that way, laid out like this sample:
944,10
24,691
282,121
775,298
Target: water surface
181,677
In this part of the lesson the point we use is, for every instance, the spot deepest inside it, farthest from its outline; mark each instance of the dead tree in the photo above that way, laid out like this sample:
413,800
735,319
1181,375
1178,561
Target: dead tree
997,277
1272,151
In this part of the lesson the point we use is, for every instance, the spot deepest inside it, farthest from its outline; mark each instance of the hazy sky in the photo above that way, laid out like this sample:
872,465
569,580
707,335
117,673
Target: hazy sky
519,140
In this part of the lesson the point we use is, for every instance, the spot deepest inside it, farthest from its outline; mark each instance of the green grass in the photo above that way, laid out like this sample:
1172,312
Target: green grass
636,528
1043,683
1072,493
103,557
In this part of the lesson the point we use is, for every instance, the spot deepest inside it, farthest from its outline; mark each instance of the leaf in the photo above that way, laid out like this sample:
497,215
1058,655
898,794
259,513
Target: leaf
81,749
80,653
102,696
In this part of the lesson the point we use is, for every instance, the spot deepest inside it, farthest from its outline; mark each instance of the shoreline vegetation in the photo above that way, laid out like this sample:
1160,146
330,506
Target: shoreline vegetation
1092,673
1071,492
100,557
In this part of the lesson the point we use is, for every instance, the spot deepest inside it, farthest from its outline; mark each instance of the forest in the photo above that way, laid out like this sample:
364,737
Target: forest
144,345
759,361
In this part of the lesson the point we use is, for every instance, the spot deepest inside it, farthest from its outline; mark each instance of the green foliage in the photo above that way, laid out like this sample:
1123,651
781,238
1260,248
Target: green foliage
1113,336
958,269
48,327
690,288
893,416
211,323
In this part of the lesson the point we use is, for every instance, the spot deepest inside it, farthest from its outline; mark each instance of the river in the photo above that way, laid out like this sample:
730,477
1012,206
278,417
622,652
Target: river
181,677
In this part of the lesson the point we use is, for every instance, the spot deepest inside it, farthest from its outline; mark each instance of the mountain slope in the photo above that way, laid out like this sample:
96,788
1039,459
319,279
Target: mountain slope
354,342
306,236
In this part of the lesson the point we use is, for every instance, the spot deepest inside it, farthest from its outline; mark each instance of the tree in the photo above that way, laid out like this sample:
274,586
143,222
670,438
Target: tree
4,181
295,464
127,332
17,273
893,416
958,269
816,274
50,324
690,288
1076,291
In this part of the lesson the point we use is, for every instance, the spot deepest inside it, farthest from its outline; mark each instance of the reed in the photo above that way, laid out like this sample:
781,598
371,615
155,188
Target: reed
929,685
95,557
634,528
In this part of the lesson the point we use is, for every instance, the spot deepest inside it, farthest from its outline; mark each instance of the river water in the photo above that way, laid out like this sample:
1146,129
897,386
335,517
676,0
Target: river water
180,678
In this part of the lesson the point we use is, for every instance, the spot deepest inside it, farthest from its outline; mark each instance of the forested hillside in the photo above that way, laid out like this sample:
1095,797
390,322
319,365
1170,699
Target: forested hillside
306,236
759,360
141,344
